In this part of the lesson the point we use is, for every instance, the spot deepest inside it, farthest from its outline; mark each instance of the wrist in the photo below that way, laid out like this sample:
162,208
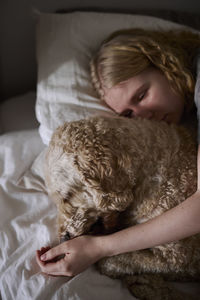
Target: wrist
102,246
106,246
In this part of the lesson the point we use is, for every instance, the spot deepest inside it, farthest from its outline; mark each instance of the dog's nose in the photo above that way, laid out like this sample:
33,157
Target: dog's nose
65,237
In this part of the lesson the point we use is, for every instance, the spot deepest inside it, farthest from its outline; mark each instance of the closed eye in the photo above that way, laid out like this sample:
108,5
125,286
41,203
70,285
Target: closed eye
141,96
128,114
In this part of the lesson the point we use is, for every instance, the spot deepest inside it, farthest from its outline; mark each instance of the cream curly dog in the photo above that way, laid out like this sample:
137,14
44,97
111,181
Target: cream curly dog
109,173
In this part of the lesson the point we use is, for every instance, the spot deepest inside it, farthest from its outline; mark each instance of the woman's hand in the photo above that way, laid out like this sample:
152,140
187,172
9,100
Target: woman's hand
78,254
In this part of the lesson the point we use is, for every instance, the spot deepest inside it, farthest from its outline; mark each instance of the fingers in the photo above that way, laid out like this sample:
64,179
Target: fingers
47,254
50,254
39,253
43,250
39,262
54,269
76,257
49,267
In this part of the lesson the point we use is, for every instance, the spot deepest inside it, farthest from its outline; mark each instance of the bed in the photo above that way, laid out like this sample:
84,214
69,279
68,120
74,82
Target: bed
61,92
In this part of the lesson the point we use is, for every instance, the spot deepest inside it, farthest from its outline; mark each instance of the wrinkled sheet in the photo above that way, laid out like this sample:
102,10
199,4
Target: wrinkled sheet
28,222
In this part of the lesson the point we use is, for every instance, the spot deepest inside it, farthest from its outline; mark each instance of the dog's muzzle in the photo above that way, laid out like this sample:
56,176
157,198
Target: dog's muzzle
65,238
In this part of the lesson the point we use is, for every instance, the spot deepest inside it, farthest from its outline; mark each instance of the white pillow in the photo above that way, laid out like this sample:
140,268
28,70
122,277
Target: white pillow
65,45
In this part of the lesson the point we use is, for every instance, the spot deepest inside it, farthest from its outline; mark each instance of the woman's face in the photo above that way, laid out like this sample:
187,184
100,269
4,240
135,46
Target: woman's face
147,95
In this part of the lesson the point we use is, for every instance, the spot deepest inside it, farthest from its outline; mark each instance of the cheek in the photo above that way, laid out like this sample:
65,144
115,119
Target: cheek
154,100
161,99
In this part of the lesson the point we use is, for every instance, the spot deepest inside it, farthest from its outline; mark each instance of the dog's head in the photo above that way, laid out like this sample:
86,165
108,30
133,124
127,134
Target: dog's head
89,172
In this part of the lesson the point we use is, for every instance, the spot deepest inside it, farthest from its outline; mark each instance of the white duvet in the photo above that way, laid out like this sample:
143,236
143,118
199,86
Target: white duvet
28,222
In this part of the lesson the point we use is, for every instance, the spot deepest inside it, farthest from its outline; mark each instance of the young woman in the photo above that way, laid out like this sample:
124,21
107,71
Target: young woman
149,74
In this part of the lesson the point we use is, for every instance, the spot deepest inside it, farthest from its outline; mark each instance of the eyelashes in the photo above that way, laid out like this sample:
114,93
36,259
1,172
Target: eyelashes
128,114
138,97
141,96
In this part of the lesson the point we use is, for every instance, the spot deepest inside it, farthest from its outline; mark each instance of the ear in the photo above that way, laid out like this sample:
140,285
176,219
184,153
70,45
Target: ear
109,171
60,177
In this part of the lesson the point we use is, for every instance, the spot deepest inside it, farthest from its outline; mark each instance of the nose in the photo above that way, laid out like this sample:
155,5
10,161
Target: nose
142,112
66,237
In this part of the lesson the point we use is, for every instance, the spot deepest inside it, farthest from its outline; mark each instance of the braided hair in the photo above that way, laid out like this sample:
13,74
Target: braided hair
126,53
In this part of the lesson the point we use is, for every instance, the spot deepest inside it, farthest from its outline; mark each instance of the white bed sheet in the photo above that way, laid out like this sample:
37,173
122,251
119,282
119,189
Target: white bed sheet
28,222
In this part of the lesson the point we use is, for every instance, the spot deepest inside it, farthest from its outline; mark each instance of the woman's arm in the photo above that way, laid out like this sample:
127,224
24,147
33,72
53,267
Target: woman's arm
175,224
178,223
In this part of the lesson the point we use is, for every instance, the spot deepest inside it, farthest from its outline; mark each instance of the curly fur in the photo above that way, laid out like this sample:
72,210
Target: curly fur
118,172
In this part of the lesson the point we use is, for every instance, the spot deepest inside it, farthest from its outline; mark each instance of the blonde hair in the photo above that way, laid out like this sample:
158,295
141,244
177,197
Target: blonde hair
126,53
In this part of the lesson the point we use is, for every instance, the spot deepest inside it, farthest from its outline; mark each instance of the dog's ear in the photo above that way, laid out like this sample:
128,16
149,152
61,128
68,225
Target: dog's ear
105,162
99,150
110,175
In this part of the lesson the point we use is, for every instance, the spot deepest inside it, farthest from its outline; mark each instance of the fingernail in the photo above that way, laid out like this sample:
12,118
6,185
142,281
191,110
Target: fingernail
43,257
